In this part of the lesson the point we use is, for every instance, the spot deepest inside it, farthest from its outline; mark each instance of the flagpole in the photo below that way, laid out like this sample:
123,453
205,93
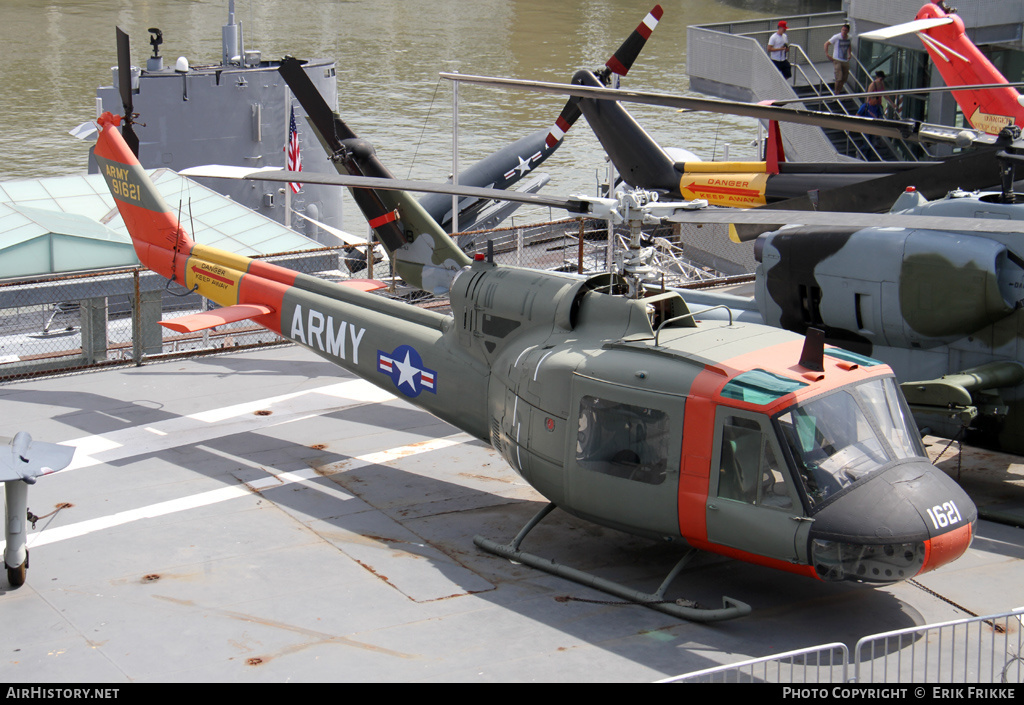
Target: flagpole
287,143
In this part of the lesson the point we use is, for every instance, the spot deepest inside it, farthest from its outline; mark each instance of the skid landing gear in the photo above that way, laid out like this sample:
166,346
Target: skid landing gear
730,608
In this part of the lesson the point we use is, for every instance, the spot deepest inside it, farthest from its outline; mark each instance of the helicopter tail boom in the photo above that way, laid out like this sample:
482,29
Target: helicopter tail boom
160,242
248,288
391,344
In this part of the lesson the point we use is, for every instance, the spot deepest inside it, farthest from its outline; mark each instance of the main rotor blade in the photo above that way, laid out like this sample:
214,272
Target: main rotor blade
898,30
896,129
901,91
675,212
124,81
217,171
970,171
778,218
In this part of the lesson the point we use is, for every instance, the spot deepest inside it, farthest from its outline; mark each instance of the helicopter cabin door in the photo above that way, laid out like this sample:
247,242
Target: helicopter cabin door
752,503
622,459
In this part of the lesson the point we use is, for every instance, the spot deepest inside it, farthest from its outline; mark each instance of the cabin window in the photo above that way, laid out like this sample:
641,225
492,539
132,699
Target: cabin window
749,470
622,440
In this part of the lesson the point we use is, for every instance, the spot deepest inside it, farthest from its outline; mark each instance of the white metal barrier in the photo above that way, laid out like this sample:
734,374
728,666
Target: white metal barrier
828,663
973,650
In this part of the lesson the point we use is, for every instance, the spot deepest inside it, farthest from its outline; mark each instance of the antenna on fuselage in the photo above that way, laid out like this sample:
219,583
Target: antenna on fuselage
812,357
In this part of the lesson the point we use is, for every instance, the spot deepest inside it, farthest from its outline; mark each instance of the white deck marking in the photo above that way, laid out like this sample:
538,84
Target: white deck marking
203,499
237,418
214,423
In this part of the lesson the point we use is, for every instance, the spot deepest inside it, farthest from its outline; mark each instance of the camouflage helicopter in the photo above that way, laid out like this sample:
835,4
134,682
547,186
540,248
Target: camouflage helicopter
625,410
942,307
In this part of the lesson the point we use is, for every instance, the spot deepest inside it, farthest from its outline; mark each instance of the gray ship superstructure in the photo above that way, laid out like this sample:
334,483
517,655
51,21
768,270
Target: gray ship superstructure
236,112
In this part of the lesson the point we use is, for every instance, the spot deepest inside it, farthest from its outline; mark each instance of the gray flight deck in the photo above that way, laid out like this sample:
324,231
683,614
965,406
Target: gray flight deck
264,517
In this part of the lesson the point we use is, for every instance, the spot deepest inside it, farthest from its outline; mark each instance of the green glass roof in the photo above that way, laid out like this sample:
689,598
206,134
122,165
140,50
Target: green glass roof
70,223
853,357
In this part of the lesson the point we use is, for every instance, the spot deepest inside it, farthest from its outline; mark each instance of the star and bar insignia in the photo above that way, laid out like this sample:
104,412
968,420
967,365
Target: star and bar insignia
406,369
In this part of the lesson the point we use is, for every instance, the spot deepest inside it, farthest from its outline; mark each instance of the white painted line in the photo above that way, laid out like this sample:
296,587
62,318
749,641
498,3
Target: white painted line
204,499
82,528
541,362
238,418
516,363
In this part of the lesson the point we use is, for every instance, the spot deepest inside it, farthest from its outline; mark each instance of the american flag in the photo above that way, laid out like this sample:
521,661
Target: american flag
294,159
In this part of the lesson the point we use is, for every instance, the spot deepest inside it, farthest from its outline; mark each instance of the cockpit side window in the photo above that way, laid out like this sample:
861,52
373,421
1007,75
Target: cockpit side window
749,470
623,440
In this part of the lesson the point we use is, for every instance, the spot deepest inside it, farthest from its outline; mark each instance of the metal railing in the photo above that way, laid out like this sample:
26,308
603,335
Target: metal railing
76,322
973,650
828,663
729,60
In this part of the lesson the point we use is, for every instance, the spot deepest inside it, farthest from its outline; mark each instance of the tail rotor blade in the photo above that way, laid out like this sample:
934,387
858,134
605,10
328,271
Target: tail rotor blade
623,58
124,79
620,63
570,113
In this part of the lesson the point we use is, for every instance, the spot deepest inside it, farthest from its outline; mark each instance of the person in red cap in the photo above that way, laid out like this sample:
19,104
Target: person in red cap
778,50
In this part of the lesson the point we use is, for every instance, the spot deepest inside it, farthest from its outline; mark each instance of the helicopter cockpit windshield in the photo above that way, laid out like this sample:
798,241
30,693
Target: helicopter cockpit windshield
843,437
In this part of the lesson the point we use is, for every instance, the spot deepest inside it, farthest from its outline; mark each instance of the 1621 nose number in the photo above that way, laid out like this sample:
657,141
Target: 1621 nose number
945,514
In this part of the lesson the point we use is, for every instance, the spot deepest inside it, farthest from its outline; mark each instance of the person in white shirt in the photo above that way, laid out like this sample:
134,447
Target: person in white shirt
778,50
838,50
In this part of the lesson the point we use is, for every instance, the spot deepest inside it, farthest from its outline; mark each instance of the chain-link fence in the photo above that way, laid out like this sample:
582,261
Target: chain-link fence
83,321
76,322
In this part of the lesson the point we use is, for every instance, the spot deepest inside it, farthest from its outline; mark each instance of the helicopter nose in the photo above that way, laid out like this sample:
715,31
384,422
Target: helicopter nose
946,548
949,515
908,519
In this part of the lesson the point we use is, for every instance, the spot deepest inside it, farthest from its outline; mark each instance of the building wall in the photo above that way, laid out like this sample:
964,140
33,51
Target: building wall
986,20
